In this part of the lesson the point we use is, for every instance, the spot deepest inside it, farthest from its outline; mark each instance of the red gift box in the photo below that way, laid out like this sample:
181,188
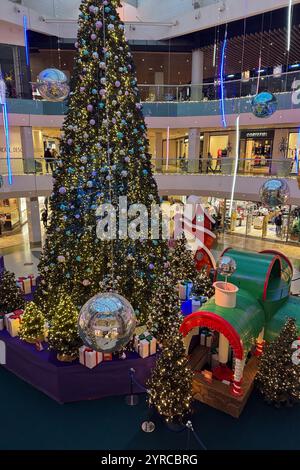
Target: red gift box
107,356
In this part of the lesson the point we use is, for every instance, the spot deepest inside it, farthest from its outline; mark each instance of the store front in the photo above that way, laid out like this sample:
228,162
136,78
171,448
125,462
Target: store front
10,216
256,150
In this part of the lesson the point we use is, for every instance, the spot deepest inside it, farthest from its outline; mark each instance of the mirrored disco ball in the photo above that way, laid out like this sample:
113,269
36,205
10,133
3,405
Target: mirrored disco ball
226,266
274,192
264,104
106,322
53,85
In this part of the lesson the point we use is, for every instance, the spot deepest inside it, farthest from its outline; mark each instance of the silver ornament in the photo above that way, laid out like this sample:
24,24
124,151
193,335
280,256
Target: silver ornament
226,266
53,85
106,322
274,192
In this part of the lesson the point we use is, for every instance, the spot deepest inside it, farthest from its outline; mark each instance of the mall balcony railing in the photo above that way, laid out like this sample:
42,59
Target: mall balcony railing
282,83
258,166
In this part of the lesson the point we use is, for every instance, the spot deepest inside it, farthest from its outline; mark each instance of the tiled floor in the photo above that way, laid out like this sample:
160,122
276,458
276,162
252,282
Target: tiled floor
22,260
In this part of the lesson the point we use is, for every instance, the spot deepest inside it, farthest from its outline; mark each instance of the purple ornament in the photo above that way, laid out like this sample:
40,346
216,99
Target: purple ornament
92,9
151,266
98,24
77,216
127,159
82,89
62,190
70,141
93,37
92,122
90,108
126,92
118,84
102,92
114,120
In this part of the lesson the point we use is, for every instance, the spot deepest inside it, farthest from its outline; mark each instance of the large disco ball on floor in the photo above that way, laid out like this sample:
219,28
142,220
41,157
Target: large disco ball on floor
106,322
52,85
274,192
264,104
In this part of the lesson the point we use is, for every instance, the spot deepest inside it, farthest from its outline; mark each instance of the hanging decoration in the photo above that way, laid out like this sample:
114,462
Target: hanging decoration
53,85
106,322
264,104
274,192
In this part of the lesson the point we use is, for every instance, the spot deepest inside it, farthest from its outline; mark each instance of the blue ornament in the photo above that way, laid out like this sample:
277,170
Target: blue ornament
94,91
155,242
107,54
112,17
68,275
131,151
85,52
135,131
264,104
107,9
78,258
95,55
145,172
68,232
120,135
101,105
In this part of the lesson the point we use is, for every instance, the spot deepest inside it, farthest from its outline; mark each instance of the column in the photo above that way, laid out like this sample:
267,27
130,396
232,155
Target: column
197,74
158,150
194,150
34,221
236,388
223,349
17,71
27,149
260,343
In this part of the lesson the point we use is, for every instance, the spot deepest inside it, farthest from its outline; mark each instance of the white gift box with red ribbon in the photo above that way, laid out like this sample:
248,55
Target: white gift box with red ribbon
89,358
26,283
13,322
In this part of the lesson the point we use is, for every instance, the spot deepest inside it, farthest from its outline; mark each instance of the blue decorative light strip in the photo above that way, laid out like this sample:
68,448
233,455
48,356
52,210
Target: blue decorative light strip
7,141
222,102
26,39
236,163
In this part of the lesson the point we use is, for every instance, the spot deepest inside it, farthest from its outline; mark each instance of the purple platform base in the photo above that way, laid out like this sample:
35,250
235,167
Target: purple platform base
69,382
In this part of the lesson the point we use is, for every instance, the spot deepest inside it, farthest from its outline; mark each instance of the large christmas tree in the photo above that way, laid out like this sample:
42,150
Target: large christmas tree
278,377
103,156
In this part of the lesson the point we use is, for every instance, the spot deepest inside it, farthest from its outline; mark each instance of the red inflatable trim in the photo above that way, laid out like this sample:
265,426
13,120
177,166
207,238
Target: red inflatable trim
214,322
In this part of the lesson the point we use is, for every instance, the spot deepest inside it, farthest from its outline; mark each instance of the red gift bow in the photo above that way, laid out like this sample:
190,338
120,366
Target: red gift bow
17,315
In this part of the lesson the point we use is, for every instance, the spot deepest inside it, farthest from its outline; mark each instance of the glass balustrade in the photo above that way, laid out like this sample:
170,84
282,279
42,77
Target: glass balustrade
179,165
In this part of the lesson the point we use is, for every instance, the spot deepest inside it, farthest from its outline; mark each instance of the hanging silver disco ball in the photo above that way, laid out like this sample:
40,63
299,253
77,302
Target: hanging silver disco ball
264,104
274,192
226,266
106,322
52,85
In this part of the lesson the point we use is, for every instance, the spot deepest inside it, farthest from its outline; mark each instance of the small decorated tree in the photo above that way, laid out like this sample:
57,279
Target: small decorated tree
10,295
63,332
202,285
278,377
182,263
170,386
171,381
32,327
164,311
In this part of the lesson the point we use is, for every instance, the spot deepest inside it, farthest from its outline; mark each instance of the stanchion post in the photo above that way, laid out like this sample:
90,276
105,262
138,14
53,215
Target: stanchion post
131,399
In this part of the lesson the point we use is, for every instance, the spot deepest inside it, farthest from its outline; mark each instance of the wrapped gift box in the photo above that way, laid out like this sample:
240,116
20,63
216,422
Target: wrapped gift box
46,331
14,322
89,358
186,307
7,315
185,290
107,356
196,303
209,339
144,348
149,344
24,283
